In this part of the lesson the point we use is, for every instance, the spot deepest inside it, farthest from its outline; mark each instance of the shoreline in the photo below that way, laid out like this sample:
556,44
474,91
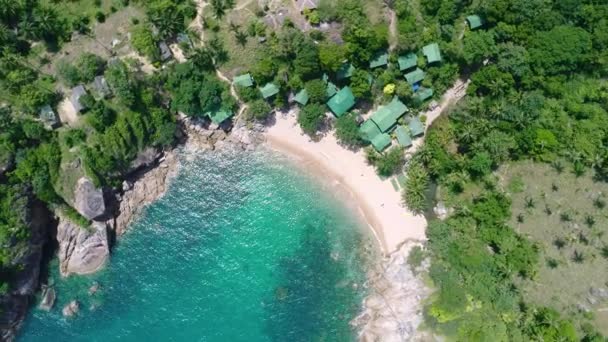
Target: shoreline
376,199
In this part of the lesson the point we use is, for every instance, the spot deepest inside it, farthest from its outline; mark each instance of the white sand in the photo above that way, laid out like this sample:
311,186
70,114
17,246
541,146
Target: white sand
378,201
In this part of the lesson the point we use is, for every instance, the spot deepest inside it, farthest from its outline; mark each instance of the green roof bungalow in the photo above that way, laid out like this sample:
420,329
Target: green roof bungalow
416,127
408,61
423,94
379,59
219,116
381,142
432,54
386,116
474,21
415,76
269,90
245,81
342,102
345,71
331,90
302,97
403,136
368,130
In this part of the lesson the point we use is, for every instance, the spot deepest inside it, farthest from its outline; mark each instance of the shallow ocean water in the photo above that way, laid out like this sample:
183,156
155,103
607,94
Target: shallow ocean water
243,247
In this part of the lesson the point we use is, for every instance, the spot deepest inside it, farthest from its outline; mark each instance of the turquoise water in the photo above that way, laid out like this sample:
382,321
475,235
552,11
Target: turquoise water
243,247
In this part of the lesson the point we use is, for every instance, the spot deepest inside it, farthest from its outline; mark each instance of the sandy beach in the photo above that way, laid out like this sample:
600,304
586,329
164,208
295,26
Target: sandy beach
379,203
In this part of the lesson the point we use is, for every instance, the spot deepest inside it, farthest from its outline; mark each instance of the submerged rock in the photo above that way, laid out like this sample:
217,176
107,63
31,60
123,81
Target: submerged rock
89,200
94,288
81,250
71,309
48,299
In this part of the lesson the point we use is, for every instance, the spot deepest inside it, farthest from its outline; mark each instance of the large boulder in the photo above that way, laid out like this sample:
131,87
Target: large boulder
88,199
81,251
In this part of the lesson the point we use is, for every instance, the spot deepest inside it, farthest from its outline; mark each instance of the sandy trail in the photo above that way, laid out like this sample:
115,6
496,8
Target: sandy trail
67,113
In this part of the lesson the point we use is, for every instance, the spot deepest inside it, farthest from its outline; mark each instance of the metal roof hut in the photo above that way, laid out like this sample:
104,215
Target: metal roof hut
77,93
219,116
423,94
407,61
48,117
302,97
379,59
368,130
245,81
345,71
165,52
101,86
415,76
403,136
474,21
432,53
381,142
341,102
269,90
386,116
416,127
302,5
182,38
331,90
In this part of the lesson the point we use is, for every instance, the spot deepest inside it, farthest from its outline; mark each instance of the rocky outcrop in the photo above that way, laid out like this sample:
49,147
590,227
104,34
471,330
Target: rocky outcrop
81,251
71,309
48,298
88,200
393,309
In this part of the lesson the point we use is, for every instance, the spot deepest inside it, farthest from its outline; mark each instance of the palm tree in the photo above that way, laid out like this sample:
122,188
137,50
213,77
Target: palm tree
599,203
548,210
218,6
578,257
520,218
559,243
558,166
241,38
565,217
552,263
234,27
529,202
589,221
554,187
604,251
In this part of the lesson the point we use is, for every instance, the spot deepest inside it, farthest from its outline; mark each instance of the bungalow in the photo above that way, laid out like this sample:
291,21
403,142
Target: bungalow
101,86
165,52
379,59
219,116
331,90
432,53
368,130
403,136
381,142
244,81
302,97
414,77
77,93
341,102
386,116
407,61
474,21
269,90
345,71
423,94
48,117
416,127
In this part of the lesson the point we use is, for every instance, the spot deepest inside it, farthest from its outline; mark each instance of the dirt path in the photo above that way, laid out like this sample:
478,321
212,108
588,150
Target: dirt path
392,27
67,113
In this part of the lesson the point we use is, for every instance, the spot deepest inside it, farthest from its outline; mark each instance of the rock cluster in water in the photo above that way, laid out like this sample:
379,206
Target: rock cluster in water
393,309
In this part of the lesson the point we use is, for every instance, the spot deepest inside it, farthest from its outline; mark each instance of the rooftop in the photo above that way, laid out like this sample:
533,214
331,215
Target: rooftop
101,86
474,21
219,116
403,136
386,116
345,71
48,117
415,76
342,101
302,97
77,93
379,59
381,142
423,94
269,90
165,52
243,80
432,53
368,130
407,61
416,127
331,90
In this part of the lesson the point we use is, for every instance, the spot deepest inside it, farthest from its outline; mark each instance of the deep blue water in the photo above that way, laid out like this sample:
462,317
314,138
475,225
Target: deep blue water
243,247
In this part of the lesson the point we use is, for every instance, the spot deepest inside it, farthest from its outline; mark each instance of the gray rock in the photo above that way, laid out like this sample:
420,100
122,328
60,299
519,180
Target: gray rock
81,251
441,211
94,288
48,299
89,200
126,186
71,309
144,159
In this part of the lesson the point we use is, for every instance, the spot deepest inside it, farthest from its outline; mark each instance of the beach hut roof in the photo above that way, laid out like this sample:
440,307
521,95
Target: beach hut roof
432,53
48,117
379,59
101,85
381,142
165,52
403,136
77,93
269,90
302,97
342,101
219,116
474,21
368,130
183,38
423,94
331,90
345,71
386,116
407,61
415,76
243,80
416,127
